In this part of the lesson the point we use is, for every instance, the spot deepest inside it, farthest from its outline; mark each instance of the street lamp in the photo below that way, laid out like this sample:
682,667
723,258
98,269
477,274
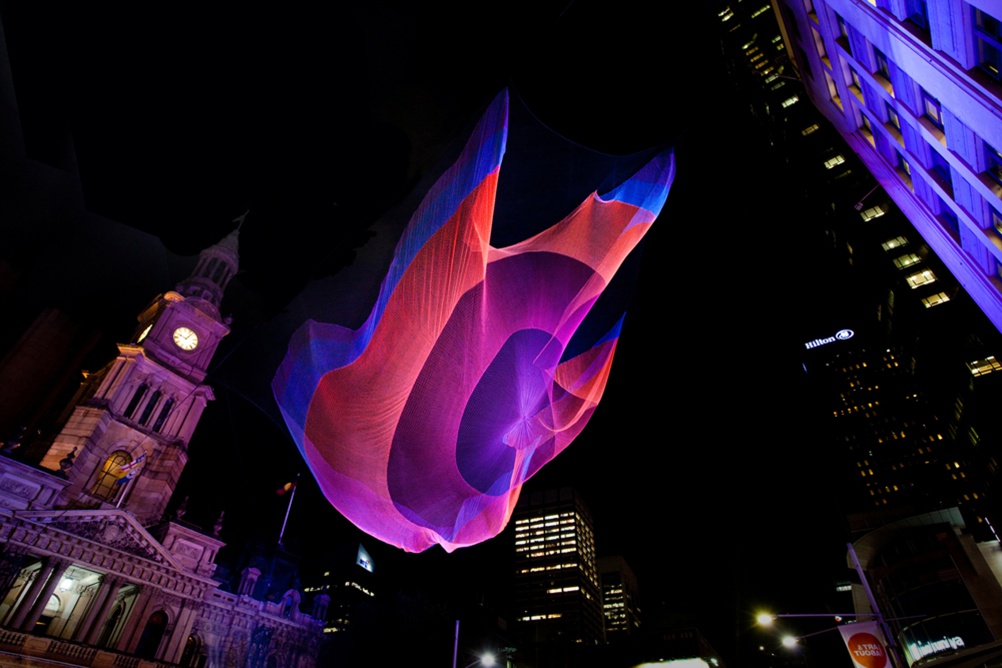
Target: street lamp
486,659
766,619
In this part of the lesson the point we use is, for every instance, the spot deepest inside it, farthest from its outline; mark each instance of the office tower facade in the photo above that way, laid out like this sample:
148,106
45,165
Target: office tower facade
915,88
619,598
557,595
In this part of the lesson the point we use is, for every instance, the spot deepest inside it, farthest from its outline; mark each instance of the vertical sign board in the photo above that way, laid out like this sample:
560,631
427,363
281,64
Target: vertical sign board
866,644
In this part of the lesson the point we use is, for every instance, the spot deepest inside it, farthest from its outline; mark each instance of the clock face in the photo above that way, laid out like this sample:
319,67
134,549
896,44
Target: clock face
185,339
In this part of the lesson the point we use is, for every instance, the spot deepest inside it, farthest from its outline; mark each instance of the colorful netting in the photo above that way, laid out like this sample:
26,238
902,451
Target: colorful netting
422,425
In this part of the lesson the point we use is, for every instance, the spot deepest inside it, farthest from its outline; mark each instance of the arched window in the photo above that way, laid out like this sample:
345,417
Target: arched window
192,656
210,266
164,414
106,485
136,398
153,633
150,405
114,619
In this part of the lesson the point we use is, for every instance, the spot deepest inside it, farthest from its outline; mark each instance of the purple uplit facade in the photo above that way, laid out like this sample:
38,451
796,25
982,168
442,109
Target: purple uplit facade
915,87
422,425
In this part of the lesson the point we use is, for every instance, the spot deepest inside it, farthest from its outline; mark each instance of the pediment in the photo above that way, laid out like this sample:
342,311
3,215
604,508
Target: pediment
114,529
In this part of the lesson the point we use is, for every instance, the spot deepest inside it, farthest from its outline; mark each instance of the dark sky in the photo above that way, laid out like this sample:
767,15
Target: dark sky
701,463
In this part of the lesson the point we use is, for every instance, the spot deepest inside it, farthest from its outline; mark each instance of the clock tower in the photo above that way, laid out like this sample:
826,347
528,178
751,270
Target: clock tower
126,442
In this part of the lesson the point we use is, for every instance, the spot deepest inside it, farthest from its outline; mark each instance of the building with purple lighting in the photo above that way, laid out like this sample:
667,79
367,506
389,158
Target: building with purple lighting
915,88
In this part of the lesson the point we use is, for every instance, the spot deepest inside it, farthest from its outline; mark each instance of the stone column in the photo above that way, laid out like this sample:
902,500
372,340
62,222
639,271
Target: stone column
112,585
185,621
83,621
83,626
41,576
11,562
138,613
30,578
57,568
142,616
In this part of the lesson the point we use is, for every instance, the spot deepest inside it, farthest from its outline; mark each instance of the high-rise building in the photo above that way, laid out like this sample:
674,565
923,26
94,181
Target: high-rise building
915,88
557,595
619,598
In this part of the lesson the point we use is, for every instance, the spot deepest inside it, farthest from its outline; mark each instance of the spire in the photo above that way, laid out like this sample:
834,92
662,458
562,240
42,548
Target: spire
216,266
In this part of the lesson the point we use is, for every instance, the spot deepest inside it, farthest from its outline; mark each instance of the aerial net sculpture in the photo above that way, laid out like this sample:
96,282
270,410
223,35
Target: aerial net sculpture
422,425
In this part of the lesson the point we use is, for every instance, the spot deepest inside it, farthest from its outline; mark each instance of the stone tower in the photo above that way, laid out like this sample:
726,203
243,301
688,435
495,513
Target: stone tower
126,442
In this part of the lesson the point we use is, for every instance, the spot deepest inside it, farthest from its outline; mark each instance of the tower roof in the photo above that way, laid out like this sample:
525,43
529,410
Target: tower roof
216,266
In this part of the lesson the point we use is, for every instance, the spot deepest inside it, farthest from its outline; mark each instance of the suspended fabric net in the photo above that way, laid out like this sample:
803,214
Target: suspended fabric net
422,425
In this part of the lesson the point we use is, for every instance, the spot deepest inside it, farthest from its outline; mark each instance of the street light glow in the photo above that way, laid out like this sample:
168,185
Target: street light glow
789,641
764,619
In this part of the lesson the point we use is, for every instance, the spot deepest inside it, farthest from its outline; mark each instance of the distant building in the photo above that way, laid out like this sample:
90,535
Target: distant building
620,607
349,583
680,648
557,595
915,88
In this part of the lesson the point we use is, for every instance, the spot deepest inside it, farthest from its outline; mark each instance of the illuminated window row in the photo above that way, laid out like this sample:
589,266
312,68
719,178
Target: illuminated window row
536,618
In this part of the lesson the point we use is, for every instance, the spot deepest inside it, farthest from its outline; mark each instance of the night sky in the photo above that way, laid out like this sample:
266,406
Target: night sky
701,465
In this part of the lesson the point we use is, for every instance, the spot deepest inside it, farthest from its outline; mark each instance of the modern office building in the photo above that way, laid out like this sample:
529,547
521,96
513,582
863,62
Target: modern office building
619,598
557,594
915,88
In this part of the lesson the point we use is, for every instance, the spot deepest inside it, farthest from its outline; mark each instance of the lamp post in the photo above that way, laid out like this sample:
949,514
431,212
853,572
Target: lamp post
486,659
766,619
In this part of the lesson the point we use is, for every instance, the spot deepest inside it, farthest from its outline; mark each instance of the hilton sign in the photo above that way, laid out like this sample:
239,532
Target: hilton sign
840,335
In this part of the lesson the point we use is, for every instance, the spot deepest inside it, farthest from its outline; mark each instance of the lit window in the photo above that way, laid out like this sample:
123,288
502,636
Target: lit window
936,299
810,129
837,160
896,242
892,117
867,131
996,220
906,260
843,31
933,109
921,278
904,170
993,163
106,486
883,67
983,368
819,44
874,212
790,101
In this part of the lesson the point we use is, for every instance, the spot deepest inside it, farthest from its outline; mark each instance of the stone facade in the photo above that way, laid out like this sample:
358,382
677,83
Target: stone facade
91,572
